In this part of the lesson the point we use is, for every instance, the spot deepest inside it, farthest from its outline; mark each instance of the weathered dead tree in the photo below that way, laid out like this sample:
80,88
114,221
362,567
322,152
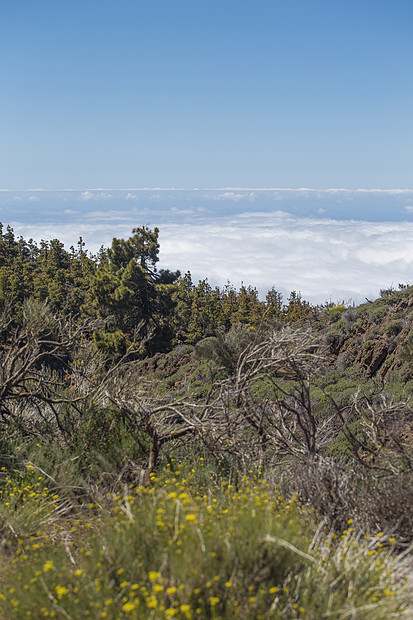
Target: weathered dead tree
232,421
378,429
46,363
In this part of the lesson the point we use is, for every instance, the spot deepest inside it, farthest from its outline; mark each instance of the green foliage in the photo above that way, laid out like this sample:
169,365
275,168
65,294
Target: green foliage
202,311
341,386
274,305
142,247
27,505
110,342
127,289
394,327
44,272
358,323
377,312
226,347
407,350
336,312
106,441
198,311
297,309
180,549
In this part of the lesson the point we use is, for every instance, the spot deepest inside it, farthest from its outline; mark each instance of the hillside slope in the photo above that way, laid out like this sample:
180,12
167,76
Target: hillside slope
376,337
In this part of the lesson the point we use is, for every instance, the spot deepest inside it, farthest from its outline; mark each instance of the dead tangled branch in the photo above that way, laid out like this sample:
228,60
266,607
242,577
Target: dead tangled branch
378,430
38,374
231,420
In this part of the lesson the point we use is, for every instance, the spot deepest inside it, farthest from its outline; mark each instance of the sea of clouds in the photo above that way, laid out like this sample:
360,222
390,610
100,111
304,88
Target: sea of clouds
327,244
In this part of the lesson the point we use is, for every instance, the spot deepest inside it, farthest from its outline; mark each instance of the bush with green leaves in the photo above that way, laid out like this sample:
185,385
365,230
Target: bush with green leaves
206,550
226,347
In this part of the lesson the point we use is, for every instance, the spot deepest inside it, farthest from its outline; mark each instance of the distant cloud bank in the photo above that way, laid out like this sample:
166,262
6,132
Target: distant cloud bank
322,259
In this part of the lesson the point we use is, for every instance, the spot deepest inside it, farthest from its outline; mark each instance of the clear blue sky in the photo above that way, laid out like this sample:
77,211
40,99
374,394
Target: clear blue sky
184,93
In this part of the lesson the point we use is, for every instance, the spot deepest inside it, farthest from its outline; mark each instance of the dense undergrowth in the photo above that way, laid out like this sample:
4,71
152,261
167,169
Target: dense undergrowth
190,545
244,488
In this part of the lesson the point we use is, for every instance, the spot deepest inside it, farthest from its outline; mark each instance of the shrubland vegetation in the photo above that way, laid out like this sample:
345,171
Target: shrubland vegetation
170,449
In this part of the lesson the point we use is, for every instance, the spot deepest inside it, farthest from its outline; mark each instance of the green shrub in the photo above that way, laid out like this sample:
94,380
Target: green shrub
185,550
394,327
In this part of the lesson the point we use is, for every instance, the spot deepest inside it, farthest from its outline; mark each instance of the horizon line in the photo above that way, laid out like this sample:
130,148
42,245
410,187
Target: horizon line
210,189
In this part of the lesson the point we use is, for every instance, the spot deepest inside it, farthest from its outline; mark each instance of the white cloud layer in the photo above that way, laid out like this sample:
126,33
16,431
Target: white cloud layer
323,259
93,195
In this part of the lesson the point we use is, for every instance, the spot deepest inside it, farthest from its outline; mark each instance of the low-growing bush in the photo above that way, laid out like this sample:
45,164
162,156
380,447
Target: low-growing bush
176,549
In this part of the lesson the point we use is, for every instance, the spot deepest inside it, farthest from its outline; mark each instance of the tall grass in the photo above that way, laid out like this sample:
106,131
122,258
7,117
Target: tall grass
186,547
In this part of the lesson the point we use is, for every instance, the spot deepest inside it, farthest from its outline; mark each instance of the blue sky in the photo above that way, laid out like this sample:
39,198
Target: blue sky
102,98
257,93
